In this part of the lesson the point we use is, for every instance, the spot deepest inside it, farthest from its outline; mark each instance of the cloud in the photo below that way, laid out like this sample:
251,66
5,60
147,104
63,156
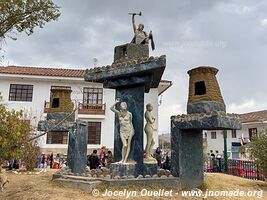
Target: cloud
264,22
230,35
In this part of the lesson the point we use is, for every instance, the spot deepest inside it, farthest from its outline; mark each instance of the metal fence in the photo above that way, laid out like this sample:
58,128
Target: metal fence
242,168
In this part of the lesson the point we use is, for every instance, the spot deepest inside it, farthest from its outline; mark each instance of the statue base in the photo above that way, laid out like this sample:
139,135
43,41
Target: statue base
122,169
150,169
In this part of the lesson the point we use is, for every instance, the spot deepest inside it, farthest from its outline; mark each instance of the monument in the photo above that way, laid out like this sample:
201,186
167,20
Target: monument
132,74
205,111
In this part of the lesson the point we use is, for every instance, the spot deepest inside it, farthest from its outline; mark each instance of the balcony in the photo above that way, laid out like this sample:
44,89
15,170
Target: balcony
84,108
46,106
91,109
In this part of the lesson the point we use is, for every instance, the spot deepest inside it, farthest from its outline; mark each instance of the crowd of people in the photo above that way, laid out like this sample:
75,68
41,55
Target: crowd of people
163,159
103,159
97,159
49,160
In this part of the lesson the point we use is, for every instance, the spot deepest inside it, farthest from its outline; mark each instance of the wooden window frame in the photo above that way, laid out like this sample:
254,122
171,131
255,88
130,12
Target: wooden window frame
213,135
94,133
57,137
93,95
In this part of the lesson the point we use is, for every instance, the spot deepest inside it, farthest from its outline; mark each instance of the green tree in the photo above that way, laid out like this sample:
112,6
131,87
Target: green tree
258,149
25,15
15,137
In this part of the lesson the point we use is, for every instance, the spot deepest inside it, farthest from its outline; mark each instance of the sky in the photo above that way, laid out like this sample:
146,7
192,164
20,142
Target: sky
230,35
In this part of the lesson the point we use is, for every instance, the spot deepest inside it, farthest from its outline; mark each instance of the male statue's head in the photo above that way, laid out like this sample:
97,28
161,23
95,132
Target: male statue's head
141,27
123,106
149,107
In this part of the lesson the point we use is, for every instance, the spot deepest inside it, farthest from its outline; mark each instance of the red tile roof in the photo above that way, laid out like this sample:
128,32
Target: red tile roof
254,116
41,71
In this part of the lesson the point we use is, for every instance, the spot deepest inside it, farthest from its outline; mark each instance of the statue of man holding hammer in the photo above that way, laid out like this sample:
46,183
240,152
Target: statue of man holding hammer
140,36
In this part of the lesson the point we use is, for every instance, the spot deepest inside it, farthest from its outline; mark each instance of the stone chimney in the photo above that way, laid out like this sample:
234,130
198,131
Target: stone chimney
60,99
204,91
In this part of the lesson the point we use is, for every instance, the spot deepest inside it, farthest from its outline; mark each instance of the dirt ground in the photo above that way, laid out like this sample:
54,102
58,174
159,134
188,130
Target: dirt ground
37,187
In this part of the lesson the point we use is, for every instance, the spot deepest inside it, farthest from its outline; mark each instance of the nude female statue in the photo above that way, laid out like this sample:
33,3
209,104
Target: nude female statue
149,128
126,128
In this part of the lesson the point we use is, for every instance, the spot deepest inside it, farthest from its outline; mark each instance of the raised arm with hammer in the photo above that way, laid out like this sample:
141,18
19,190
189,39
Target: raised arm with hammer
140,36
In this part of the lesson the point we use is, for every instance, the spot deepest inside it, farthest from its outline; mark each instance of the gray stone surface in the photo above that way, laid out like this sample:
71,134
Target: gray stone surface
150,169
87,186
77,148
205,107
187,157
130,51
60,116
168,182
206,121
153,67
119,169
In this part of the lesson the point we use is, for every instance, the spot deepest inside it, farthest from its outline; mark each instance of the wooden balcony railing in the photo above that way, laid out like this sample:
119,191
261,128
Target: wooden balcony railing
93,109
84,108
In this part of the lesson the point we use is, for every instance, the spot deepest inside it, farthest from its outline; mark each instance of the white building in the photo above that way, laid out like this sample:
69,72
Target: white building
252,124
28,89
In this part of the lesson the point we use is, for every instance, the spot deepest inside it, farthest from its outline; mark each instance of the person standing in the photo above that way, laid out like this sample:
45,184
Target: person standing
51,161
94,160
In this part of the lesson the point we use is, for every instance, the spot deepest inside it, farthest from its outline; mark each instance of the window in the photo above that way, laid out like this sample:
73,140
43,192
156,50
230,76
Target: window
213,135
55,103
57,137
233,133
94,132
200,88
20,92
252,132
93,95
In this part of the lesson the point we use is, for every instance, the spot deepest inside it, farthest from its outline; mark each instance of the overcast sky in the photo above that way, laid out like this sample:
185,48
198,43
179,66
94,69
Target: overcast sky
230,35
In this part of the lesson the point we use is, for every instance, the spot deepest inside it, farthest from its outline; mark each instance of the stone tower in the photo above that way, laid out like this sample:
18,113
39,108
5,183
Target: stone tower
204,91
60,100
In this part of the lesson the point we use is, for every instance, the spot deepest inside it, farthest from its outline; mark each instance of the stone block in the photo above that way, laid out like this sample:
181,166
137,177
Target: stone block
130,51
119,169
150,169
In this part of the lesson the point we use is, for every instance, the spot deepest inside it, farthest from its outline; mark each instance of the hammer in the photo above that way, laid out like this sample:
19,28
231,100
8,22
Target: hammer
140,14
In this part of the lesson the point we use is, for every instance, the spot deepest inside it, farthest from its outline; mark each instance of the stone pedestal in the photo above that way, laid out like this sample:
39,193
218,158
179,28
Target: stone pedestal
187,157
119,169
187,143
150,169
130,51
77,143
77,148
